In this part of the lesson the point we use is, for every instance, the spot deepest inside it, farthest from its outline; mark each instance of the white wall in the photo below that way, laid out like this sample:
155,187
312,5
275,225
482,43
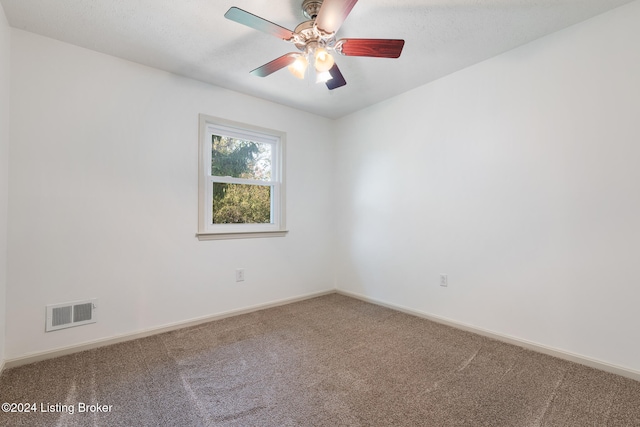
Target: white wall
518,177
4,169
104,194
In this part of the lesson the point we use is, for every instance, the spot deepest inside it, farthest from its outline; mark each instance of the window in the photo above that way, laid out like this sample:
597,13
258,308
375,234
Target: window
241,185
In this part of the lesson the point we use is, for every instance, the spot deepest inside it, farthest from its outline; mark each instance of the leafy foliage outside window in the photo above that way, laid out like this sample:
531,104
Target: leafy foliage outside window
241,204
235,203
241,180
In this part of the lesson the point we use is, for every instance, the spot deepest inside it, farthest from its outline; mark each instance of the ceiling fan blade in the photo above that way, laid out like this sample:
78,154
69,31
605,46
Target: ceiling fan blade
275,65
332,14
250,20
337,80
376,48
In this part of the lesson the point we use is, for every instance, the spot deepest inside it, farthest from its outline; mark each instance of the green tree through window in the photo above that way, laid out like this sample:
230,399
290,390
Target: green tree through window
235,203
241,180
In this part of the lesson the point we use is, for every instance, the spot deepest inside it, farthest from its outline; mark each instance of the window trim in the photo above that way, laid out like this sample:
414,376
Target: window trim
239,130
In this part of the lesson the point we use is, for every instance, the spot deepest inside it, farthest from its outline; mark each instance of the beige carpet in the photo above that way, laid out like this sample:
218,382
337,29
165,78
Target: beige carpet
328,361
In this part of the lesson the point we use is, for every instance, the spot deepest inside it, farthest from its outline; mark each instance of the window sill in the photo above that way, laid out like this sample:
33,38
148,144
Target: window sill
241,235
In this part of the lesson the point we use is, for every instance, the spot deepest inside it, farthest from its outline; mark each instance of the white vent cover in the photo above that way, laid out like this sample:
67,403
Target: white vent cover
69,314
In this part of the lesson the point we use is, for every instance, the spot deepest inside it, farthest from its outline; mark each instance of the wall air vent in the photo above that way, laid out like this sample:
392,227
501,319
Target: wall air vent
69,314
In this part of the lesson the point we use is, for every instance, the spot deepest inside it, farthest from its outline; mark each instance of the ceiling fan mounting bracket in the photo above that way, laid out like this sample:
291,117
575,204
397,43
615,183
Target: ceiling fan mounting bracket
310,8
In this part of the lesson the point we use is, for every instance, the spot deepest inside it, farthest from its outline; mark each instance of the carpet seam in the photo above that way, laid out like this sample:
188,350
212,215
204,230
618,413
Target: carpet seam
554,393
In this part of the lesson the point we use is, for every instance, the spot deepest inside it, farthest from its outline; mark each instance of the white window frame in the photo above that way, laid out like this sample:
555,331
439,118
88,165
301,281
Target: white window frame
216,126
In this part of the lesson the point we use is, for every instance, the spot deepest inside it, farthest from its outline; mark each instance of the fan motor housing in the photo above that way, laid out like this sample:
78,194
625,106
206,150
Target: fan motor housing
307,37
305,33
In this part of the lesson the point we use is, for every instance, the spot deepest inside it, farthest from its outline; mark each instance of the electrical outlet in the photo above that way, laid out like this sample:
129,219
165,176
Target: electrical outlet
240,275
444,280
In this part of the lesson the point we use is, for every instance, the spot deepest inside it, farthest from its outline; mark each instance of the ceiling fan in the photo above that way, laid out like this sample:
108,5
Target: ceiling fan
316,38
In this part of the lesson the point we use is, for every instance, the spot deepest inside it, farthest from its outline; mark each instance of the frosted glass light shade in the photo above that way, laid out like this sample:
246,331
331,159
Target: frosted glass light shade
324,61
299,67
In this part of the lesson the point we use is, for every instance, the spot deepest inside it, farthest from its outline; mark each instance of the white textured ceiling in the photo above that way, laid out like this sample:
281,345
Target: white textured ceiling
192,38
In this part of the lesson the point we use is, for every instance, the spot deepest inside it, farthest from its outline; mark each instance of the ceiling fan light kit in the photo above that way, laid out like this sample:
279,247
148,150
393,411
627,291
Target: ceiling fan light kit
316,38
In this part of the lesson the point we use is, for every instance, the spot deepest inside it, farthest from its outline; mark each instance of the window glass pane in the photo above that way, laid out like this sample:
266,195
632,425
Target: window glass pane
238,158
241,204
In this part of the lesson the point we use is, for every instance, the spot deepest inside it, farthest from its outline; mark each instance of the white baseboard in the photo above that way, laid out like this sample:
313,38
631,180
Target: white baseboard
63,351
1,366
561,354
